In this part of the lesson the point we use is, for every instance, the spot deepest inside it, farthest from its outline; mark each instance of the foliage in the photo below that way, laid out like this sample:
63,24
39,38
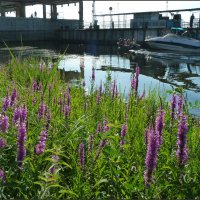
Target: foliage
111,171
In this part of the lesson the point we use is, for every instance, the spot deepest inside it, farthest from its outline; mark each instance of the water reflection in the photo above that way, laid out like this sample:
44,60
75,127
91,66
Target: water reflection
158,69
155,71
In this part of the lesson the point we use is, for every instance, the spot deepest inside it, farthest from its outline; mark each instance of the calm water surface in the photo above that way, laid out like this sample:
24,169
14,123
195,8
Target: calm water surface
163,70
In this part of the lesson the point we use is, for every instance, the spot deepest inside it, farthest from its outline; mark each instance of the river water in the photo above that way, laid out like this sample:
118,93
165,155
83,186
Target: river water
163,70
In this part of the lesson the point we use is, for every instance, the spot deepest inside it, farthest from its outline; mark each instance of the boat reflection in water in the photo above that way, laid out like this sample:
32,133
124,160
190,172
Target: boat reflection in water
174,69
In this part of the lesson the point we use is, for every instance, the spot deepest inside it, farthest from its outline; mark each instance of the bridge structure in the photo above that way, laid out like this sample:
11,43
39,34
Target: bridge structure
19,7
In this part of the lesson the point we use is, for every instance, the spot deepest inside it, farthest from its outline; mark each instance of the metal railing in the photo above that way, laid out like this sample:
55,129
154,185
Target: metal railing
138,24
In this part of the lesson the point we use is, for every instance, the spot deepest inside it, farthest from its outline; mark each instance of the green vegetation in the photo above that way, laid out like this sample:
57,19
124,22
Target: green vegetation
61,143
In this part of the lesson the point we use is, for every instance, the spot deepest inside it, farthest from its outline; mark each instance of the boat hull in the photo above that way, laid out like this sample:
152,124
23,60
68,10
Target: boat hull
173,47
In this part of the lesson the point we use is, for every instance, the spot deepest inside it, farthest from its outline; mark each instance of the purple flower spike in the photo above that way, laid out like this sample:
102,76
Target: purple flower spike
123,134
17,114
98,98
101,146
173,106
34,86
98,128
13,97
24,114
66,111
82,155
6,103
2,143
4,124
151,157
40,147
137,72
90,143
40,87
21,150
106,127
133,83
160,125
180,104
41,111
182,151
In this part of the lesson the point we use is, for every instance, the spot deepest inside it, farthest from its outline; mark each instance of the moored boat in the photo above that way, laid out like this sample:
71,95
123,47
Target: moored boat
174,42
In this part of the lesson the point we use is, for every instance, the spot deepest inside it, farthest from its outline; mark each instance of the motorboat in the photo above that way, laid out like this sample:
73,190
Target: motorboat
174,42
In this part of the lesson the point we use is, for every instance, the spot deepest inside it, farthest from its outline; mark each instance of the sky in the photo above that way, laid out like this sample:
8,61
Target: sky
102,7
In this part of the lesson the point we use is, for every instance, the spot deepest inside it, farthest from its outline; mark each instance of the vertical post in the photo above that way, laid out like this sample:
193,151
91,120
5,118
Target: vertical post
55,11
44,11
3,14
80,14
20,10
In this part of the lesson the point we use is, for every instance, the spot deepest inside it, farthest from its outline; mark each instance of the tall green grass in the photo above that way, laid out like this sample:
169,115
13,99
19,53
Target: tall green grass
118,173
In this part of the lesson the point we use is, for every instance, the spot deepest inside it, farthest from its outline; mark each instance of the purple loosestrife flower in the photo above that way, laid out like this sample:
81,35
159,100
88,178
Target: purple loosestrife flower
40,147
16,117
55,160
82,155
160,125
133,83
101,146
40,87
90,143
41,111
2,176
34,86
93,74
182,151
24,113
4,123
66,111
13,97
6,103
48,120
173,106
69,100
123,134
2,143
151,157
137,73
105,127
180,104
21,150
99,128
98,98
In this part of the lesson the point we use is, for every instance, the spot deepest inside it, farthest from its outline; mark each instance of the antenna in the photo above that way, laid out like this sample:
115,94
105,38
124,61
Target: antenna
93,12
167,7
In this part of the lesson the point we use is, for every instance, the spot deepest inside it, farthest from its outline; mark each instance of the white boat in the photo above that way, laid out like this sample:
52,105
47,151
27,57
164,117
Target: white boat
175,42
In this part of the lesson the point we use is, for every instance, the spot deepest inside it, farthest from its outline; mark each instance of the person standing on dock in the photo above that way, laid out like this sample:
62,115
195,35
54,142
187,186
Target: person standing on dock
191,20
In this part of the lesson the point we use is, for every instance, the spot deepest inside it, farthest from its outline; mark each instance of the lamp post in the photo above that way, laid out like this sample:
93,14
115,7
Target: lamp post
111,22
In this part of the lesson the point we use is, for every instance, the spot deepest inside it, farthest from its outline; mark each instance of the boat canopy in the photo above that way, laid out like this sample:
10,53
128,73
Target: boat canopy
178,29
